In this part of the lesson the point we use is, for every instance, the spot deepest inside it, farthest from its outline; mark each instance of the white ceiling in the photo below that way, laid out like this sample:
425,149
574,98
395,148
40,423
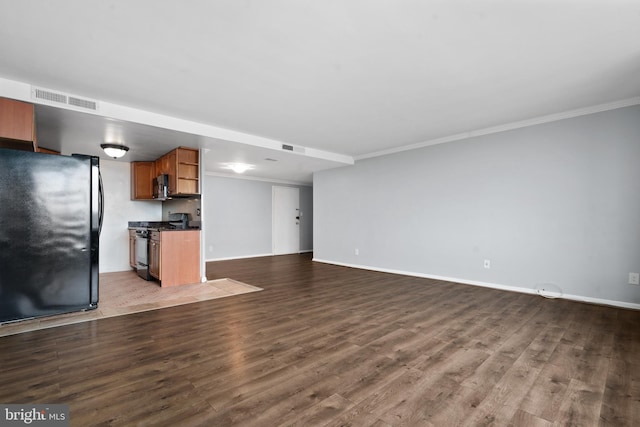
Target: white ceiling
344,77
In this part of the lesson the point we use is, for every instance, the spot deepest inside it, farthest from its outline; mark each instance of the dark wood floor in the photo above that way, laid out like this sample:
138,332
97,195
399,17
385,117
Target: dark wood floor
328,345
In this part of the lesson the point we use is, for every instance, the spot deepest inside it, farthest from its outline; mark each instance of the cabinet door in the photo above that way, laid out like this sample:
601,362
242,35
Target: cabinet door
16,124
160,166
163,164
167,165
154,259
171,171
142,174
132,249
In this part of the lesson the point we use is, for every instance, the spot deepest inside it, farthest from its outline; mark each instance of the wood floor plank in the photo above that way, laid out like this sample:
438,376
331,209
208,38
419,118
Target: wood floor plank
581,406
390,403
457,408
501,403
525,419
369,377
330,345
355,418
547,393
321,413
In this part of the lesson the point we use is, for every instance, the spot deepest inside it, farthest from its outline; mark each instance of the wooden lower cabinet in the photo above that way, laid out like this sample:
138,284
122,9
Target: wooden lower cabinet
154,255
174,257
132,249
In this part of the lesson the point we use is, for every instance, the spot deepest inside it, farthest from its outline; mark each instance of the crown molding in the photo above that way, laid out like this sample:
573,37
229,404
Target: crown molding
509,126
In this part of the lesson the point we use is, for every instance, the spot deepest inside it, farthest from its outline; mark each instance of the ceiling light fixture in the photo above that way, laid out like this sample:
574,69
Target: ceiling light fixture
115,150
239,167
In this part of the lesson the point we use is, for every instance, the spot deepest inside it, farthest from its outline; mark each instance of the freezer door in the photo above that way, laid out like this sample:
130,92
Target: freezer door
48,239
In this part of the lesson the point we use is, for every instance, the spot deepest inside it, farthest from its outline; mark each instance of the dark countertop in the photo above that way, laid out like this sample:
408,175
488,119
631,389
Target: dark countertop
147,224
162,226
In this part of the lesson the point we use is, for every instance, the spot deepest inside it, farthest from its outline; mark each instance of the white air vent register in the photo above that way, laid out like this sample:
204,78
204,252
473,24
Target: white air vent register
57,98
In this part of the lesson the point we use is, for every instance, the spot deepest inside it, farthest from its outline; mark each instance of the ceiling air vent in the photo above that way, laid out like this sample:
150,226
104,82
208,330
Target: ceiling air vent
83,103
288,147
51,97
46,95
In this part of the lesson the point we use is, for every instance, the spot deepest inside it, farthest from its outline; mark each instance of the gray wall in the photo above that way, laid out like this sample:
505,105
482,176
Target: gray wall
237,217
554,206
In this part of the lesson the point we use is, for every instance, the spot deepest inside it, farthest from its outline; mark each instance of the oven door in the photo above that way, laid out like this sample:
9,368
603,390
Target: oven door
142,256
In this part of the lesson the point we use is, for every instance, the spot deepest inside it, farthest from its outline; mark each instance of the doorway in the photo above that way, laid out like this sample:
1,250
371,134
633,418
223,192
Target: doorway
286,220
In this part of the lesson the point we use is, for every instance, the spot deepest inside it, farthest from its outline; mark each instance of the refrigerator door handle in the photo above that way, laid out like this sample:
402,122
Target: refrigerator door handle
100,203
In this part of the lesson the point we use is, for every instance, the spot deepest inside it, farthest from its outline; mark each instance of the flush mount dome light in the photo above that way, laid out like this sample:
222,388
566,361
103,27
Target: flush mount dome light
239,167
115,150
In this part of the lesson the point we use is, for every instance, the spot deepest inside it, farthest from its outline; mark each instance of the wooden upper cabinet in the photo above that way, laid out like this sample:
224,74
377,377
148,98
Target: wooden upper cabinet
142,174
169,164
17,125
182,165
47,151
162,165
187,171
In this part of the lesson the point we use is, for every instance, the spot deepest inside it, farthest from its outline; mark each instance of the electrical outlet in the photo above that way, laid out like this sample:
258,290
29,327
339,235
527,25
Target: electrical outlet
356,251
487,263
634,278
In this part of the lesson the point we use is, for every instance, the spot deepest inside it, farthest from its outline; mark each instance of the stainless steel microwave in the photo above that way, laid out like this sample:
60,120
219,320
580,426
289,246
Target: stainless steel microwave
161,187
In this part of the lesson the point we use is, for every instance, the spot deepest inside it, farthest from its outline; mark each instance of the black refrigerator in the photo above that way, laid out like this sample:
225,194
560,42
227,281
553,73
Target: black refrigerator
50,217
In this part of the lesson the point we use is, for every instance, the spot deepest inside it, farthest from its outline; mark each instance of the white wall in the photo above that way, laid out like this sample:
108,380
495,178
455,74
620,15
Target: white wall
119,209
237,217
554,206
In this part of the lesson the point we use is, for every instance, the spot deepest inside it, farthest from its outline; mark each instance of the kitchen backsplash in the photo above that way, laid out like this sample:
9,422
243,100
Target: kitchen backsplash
190,206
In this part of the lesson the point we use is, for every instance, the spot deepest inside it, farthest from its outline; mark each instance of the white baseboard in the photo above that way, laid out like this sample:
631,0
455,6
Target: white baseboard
237,257
250,256
579,298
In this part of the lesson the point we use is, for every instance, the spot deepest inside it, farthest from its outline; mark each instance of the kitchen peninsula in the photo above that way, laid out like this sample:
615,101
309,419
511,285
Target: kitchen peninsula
165,252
